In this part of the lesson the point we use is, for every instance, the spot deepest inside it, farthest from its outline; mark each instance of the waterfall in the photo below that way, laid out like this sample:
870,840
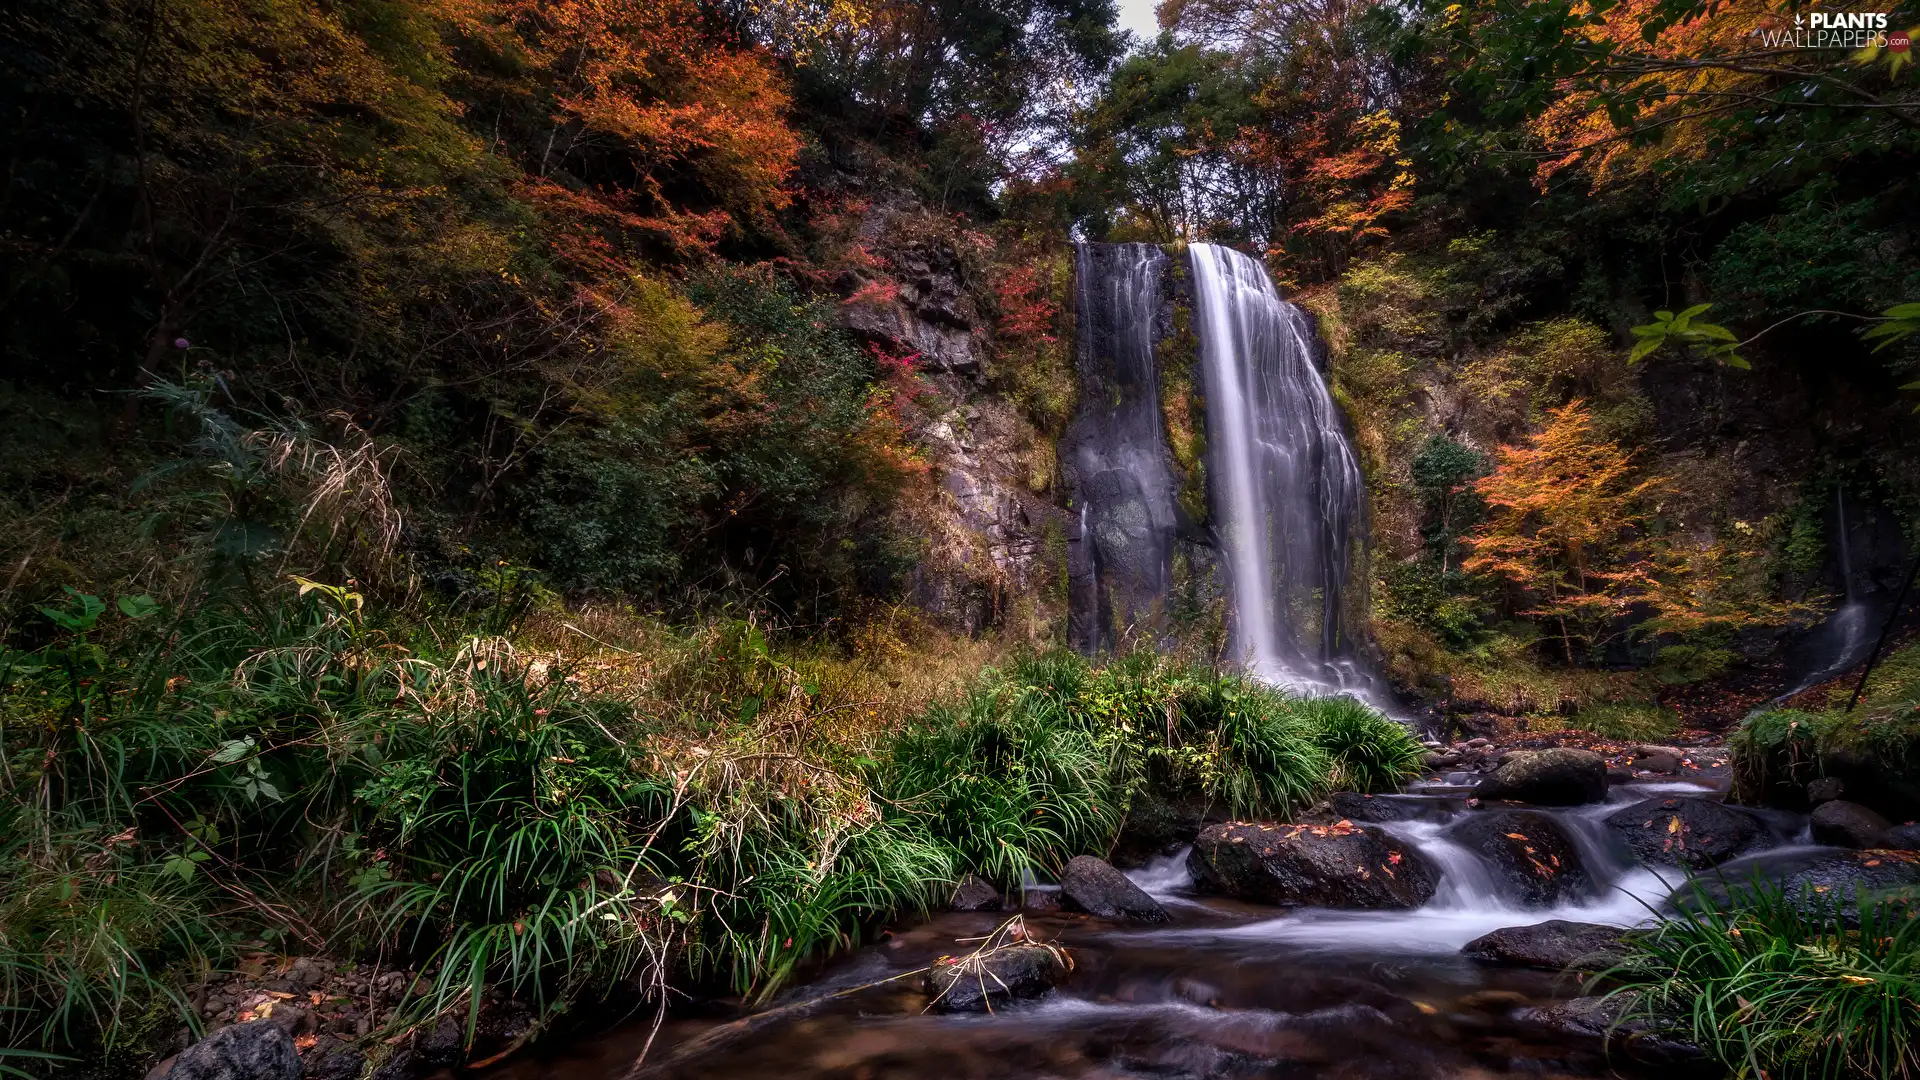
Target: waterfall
1846,636
1116,452
1286,488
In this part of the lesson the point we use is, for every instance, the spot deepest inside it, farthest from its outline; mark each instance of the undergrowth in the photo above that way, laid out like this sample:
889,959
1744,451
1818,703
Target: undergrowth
180,780
1785,987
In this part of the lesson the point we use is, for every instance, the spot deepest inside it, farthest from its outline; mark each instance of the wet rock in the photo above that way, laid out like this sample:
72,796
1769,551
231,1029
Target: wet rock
974,983
1820,880
1436,759
1530,852
1554,945
1159,824
1647,750
333,1059
975,893
1615,1021
1357,807
1620,776
261,1050
1825,789
1665,764
1095,887
1903,838
1845,824
1685,831
1560,776
1340,866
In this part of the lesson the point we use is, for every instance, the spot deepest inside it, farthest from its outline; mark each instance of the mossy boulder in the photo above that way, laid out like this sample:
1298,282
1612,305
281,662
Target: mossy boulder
1874,754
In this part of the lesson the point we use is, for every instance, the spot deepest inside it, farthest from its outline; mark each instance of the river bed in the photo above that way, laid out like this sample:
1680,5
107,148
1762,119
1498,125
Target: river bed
1223,991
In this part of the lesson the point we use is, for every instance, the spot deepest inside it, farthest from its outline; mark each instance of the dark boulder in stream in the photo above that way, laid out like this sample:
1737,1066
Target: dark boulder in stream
1819,879
1847,824
1554,945
1095,887
1560,776
1620,1024
261,1050
975,893
1530,852
978,982
1903,838
1338,866
1357,807
1685,831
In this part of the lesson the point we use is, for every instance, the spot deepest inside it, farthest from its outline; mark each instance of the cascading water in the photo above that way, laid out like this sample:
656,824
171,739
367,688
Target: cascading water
1286,486
1846,635
1116,452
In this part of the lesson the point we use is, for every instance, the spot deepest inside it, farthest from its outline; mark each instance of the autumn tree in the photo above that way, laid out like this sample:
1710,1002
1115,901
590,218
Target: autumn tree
1566,526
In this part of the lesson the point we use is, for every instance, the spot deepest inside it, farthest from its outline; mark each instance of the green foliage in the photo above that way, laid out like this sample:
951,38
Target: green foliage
1442,472
1419,593
1785,986
1685,332
1039,760
1677,665
1628,721
1818,254
1369,752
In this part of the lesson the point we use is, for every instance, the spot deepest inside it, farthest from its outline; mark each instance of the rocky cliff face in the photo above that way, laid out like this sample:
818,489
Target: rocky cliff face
995,539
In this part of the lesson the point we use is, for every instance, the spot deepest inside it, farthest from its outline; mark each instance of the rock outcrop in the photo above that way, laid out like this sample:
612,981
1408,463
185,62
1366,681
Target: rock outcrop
260,1050
1340,866
1849,825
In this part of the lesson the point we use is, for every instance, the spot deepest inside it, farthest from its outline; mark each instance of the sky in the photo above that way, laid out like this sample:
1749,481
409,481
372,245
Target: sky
1137,16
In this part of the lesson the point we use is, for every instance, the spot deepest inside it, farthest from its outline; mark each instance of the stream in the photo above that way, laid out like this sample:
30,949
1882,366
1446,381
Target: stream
1224,990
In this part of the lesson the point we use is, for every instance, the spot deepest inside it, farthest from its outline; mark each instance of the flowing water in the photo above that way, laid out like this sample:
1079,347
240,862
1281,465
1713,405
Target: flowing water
1116,450
1226,990
1845,638
1286,487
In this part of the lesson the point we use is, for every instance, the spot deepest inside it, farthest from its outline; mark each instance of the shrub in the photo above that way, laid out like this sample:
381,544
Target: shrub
1780,986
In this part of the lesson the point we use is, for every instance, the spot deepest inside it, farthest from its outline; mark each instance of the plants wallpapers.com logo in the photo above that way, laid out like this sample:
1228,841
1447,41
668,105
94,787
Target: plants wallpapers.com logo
1837,30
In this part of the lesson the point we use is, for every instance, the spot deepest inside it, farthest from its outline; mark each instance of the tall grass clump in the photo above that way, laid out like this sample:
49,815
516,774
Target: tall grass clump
1041,759
1786,987
1367,751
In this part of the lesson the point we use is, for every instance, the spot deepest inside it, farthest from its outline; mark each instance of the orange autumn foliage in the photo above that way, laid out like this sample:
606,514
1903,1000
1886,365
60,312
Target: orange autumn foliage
1580,131
1566,525
673,131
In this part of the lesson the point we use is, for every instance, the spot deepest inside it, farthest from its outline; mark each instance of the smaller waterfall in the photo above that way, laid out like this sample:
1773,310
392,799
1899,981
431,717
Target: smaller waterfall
1115,454
1847,634
1285,483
